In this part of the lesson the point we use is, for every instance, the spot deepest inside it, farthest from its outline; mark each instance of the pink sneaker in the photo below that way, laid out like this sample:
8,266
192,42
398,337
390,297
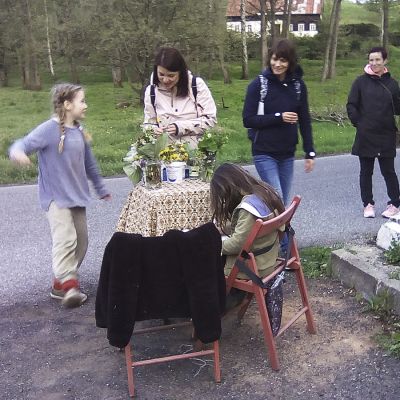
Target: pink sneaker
369,211
390,211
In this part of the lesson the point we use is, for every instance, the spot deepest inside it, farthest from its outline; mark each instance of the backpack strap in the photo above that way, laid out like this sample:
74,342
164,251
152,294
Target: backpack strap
263,93
255,278
297,88
153,97
194,91
263,87
194,87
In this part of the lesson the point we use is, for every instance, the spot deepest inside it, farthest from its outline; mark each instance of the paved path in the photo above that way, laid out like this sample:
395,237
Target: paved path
330,213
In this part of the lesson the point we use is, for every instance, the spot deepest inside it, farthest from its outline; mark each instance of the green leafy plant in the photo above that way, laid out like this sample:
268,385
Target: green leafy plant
394,275
316,261
212,141
206,154
381,305
392,255
145,149
390,340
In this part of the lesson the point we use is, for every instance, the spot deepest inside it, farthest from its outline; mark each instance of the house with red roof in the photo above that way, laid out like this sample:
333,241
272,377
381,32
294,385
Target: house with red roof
305,16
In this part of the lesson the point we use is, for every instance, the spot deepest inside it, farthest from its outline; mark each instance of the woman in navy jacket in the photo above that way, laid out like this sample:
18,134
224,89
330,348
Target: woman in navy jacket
273,124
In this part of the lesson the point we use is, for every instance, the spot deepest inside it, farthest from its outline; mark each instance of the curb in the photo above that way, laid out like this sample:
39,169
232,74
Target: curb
362,268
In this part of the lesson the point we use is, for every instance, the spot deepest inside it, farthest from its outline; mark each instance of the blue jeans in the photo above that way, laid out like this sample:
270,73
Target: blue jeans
278,173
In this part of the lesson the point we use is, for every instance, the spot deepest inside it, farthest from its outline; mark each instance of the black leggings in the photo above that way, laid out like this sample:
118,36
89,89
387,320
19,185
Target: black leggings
386,164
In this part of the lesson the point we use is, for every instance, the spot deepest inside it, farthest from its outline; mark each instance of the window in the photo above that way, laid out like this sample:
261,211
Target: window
249,28
300,27
313,27
290,27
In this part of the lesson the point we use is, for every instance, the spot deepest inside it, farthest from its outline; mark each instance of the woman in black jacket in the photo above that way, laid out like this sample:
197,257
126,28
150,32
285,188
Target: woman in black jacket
276,105
373,101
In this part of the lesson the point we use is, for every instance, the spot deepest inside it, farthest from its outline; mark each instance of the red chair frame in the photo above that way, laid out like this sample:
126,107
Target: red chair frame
263,228
131,364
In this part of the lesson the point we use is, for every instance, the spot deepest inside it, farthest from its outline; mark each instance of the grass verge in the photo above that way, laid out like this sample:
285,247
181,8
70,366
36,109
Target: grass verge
114,129
316,261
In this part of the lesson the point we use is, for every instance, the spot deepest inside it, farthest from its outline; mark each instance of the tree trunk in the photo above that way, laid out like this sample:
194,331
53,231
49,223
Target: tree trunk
263,35
116,73
245,58
221,59
30,72
116,70
74,71
272,21
287,16
332,62
385,23
3,68
49,52
210,67
328,48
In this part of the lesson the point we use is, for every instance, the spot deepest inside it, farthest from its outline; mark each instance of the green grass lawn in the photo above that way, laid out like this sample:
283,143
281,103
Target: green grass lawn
114,129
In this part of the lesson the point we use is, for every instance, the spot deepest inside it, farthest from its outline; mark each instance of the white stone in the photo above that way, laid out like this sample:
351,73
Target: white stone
388,231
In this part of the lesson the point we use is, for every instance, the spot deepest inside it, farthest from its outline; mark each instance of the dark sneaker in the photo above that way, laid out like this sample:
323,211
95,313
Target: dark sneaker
73,298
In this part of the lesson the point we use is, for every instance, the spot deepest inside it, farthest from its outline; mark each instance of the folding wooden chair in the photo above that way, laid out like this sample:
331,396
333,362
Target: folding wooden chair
247,257
198,352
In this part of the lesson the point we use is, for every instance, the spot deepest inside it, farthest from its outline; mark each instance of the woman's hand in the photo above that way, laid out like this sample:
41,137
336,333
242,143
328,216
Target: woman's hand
20,158
290,117
308,164
158,131
171,129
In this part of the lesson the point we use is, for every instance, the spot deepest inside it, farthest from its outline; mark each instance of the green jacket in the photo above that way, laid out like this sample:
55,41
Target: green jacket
241,225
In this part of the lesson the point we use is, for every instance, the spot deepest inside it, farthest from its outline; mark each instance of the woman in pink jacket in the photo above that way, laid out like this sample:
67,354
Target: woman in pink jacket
176,102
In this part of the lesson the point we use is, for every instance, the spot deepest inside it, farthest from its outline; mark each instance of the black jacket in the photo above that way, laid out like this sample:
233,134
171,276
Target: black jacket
371,106
270,135
177,275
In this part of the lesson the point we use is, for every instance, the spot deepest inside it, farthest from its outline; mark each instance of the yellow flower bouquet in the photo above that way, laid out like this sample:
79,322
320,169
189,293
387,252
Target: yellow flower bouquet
174,152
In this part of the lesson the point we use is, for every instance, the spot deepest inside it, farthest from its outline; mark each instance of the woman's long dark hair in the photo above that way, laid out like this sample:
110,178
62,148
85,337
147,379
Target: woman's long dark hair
172,60
284,48
228,186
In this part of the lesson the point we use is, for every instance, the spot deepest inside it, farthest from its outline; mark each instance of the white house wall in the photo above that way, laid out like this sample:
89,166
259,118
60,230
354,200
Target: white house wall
255,27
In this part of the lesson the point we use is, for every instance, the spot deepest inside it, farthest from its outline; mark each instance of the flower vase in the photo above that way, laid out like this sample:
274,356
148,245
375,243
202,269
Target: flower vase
152,174
176,171
207,166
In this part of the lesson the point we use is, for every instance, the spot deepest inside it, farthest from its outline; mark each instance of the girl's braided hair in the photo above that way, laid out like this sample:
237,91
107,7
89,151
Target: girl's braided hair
60,93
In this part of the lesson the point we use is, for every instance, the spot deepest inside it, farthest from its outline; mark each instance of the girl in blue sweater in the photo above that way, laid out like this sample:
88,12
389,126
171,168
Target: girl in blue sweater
65,163
273,122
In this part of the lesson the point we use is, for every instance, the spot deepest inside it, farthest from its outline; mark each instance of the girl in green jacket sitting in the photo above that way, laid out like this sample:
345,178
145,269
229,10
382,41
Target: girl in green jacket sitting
237,201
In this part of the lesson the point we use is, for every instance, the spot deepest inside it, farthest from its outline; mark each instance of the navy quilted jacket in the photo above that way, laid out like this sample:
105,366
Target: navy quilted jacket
269,134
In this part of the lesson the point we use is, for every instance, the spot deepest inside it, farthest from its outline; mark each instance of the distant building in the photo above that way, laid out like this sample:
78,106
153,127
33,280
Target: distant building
305,19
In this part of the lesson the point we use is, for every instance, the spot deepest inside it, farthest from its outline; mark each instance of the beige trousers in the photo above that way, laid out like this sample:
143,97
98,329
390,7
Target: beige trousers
70,240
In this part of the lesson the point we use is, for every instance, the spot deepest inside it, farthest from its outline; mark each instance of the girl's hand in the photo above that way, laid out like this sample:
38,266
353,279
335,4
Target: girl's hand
20,158
308,165
107,197
290,117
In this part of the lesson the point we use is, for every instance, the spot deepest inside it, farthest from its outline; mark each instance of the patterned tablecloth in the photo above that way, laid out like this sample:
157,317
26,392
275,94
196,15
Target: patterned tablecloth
152,212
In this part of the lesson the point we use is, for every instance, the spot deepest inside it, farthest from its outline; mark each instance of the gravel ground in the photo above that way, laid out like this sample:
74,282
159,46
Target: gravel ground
49,353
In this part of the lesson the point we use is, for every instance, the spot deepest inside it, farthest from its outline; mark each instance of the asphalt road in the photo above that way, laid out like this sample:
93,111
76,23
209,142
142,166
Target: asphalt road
330,212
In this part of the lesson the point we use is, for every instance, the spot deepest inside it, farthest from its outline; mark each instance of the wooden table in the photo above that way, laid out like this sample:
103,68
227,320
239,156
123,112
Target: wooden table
152,212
